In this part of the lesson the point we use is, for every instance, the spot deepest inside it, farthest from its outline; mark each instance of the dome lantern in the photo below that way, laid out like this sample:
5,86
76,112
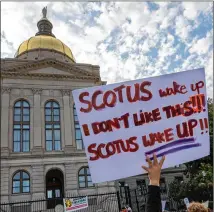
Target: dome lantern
44,25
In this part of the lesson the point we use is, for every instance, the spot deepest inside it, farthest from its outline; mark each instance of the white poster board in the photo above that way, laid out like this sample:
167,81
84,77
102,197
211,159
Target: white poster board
186,201
75,204
206,204
122,123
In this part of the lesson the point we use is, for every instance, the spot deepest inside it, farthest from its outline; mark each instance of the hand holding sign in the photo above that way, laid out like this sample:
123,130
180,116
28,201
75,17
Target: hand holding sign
123,123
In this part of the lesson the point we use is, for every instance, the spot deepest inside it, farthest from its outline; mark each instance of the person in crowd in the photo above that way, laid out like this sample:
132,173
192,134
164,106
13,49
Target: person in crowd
153,203
197,207
210,206
128,208
123,209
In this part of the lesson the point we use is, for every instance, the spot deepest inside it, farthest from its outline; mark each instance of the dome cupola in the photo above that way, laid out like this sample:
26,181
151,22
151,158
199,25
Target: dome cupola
44,44
44,25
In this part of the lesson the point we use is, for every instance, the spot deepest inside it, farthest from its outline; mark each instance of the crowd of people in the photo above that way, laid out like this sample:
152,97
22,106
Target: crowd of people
126,209
153,203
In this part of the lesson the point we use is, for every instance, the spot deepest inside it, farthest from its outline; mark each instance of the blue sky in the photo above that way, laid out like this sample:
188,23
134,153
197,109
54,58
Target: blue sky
128,40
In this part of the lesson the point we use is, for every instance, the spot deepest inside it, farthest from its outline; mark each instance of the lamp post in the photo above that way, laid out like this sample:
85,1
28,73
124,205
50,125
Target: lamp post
203,173
128,195
207,188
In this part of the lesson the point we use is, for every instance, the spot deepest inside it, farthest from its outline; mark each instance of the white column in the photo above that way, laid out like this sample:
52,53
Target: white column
37,138
67,119
5,104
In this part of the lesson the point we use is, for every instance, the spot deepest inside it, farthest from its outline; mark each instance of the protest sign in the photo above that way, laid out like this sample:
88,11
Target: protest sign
122,123
206,204
75,204
186,201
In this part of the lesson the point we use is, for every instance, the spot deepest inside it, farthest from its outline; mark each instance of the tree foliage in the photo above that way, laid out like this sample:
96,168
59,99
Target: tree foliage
197,188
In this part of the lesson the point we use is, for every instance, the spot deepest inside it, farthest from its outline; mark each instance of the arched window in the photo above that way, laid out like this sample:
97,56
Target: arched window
78,135
85,178
21,126
52,126
21,182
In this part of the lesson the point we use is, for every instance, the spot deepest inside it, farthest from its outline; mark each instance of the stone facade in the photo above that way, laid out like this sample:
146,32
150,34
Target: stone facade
37,162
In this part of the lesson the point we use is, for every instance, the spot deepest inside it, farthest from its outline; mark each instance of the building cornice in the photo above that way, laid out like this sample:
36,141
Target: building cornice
36,91
40,76
43,156
65,92
32,65
6,90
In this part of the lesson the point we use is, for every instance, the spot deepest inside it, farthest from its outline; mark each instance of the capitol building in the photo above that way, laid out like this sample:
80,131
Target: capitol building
42,151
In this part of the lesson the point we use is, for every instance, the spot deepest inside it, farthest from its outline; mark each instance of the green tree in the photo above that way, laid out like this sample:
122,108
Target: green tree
198,188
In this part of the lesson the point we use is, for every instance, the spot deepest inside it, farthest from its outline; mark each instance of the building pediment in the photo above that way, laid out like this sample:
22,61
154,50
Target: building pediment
50,68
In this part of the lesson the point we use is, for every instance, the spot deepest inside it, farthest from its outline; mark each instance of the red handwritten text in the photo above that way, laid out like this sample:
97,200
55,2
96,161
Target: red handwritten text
115,147
107,126
186,129
193,105
197,86
102,99
146,117
181,89
160,137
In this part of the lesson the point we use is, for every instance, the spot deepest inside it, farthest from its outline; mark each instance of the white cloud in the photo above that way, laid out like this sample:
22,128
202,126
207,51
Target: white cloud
13,22
202,45
7,48
182,27
159,15
193,9
92,40
169,19
209,74
195,61
166,49
177,57
145,47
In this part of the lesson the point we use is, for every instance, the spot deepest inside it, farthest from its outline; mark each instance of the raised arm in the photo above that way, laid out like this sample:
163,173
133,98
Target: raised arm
153,203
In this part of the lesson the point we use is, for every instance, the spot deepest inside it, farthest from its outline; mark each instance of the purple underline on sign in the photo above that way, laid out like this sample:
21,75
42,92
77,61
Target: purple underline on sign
176,150
175,143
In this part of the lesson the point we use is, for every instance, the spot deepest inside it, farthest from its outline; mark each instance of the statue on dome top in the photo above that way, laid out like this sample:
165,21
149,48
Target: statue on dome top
44,12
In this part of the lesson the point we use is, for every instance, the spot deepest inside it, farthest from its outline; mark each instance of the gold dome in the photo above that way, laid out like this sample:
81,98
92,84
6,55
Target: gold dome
45,42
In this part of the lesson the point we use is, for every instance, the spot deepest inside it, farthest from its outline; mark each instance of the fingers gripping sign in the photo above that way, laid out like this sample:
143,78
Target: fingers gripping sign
154,169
